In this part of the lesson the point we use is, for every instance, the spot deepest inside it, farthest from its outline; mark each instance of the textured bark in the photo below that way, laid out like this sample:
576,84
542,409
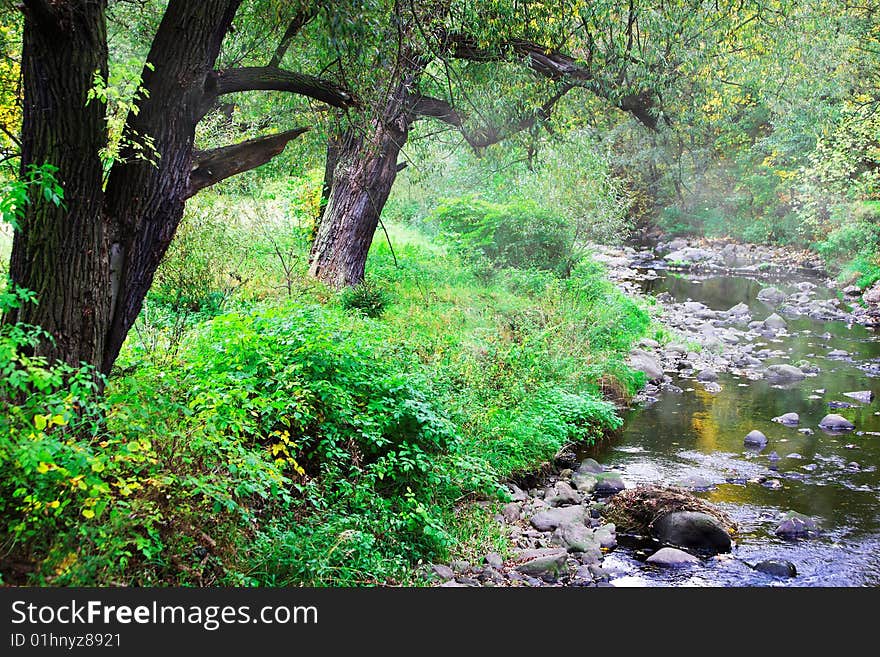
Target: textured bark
210,167
366,167
62,253
146,201
267,78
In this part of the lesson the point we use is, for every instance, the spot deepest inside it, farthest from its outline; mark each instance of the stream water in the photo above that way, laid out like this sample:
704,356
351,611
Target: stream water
696,435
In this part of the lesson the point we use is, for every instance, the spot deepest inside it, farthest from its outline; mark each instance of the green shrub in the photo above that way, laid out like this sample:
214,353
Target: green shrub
516,234
367,298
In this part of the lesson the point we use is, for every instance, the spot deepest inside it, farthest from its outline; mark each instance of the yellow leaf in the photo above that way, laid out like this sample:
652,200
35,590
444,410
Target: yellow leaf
40,422
88,513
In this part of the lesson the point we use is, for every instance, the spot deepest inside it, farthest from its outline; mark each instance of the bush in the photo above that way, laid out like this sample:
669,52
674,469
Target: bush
367,297
516,234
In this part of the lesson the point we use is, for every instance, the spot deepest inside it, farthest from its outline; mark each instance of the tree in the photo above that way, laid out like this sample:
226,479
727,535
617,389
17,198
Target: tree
91,260
419,46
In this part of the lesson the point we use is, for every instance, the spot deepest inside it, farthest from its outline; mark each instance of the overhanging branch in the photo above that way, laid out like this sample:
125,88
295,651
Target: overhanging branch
296,24
269,78
210,167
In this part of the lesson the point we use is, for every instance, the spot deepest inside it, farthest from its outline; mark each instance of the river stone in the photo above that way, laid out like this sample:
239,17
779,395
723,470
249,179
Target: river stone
695,482
771,295
691,530
672,557
690,254
707,374
608,483
834,422
644,362
547,521
788,419
796,525
676,348
864,396
775,322
756,438
563,495
872,295
511,512
547,566
783,374
590,466
777,568
585,483
577,537
739,310
606,535
442,571
493,560
837,353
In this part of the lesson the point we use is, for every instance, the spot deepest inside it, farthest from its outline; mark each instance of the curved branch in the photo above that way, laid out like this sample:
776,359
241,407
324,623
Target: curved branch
299,21
210,167
269,78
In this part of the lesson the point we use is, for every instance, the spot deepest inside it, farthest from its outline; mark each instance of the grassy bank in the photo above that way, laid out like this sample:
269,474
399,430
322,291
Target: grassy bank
257,437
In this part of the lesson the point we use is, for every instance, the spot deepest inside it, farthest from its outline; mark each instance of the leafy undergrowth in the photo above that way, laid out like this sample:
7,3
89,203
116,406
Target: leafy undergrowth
322,440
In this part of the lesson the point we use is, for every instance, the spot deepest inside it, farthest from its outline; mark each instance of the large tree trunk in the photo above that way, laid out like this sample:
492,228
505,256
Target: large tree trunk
61,253
366,167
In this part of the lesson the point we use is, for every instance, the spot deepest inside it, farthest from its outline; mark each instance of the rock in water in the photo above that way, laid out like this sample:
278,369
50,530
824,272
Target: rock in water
707,375
834,422
784,374
775,322
796,525
739,310
608,483
691,530
755,438
777,568
771,295
672,557
788,419
590,466
864,396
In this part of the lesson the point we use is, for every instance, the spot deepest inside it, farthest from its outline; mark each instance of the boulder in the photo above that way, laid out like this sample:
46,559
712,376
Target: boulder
585,483
691,530
872,295
788,419
777,568
608,483
796,525
511,512
442,571
834,422
755,438
550,519
864,396
590,466
644,362
739,310
577,537
771,295
783,374
672,558
775,322
837,353
708,375
563,495
547,564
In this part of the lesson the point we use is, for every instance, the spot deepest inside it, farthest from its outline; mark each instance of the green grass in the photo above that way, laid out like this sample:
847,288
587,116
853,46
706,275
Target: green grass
331,439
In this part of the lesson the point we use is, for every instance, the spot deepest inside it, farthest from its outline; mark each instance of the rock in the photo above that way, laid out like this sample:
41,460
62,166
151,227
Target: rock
547,566
644,362
837,353
590,466
864,396
565,458
648,343
772,484
872,295
606,536
711,386
833,422
739,310
771,295
788,419
852,290
775,322
695,482
511,512
672,557
777,568
577,537
563,495
796,525
755,438
676,348
547,521
460,566
585,483
691,530
608,483
690,255
707,375
493,560
442,572
783,374
517,494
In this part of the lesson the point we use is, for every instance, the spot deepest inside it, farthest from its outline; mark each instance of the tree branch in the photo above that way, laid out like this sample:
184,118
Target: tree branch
298,22
436,108
210,167
267,78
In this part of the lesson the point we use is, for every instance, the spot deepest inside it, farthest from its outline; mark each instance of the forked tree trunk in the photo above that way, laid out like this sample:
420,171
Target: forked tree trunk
61,253
366,167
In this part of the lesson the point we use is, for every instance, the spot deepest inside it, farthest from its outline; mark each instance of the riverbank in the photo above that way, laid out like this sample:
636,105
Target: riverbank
712,350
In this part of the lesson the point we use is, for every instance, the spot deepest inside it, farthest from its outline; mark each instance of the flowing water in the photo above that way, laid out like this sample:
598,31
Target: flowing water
696,434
